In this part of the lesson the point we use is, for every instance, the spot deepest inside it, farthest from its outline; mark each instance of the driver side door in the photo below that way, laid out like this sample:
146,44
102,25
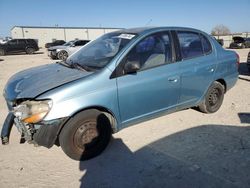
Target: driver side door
155,87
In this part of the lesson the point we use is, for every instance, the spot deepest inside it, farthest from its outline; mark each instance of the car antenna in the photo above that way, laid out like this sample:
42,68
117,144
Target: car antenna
149,21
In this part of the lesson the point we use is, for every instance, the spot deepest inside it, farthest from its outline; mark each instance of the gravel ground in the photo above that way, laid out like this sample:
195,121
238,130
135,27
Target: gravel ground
183,149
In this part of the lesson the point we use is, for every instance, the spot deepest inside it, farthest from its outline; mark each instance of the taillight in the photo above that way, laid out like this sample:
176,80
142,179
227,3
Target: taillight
237,59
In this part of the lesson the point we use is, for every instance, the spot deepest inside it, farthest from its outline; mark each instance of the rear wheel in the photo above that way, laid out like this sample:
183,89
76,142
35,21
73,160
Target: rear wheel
30,50
86,135
213,98
62,55
2,52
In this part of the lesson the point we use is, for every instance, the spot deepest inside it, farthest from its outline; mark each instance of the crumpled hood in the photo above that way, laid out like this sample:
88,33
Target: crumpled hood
57,47
32,82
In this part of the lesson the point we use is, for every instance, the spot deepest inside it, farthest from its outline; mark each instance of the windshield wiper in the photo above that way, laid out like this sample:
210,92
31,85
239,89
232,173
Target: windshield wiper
80,67
64,64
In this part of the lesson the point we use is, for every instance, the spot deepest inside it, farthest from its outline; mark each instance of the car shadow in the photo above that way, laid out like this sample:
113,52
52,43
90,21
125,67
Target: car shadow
204,156
244,117
245,79
23,53
243,70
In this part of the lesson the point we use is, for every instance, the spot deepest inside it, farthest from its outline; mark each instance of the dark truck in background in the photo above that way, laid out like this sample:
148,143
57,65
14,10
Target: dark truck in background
19,45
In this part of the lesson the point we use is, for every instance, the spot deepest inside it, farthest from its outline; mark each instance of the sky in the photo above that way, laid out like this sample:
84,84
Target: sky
199,14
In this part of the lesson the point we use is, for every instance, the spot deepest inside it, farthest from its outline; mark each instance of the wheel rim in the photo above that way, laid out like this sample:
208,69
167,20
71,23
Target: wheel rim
86,135
63,55
214,97
30,50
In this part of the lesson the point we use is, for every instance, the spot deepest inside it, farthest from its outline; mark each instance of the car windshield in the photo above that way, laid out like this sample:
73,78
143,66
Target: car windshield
68,43
98,53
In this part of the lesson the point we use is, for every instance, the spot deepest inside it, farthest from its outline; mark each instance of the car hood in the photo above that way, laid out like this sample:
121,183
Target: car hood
58,47
32,82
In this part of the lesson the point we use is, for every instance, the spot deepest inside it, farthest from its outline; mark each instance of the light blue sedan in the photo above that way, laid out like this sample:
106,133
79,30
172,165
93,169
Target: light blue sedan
117,80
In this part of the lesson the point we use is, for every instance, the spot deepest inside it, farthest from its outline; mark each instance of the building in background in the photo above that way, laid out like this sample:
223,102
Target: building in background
48,34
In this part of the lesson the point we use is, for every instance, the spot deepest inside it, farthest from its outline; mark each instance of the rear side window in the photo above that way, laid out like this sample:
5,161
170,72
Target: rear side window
190,44
206,45
21,42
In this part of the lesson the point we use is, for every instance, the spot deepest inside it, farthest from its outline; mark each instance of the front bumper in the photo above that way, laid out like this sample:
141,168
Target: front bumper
48,132
52,54
44,133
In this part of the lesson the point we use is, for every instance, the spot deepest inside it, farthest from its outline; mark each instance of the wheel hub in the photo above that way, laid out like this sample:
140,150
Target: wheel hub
214,97
85,134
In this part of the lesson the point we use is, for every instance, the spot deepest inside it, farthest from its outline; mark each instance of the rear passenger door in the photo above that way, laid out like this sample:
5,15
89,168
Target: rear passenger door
21,45
197,66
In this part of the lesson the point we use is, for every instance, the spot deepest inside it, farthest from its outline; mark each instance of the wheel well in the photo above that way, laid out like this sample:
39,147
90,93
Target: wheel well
108,113
29,47
223,83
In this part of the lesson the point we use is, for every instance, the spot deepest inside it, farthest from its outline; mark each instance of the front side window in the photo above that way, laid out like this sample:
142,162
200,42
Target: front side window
152,51
12,42
190,44
101,51
80,43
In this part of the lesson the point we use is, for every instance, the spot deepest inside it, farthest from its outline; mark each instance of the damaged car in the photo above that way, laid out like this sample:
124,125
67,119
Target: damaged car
120,79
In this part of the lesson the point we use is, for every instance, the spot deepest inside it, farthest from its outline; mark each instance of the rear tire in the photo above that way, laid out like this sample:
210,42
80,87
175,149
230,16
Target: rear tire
62,55
30,50
85,135
2,52
213,98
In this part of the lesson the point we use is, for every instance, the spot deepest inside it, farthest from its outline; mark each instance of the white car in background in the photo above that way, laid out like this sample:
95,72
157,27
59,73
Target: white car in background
63,51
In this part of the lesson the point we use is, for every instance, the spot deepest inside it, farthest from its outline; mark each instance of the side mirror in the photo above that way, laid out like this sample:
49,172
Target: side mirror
132,67
72,45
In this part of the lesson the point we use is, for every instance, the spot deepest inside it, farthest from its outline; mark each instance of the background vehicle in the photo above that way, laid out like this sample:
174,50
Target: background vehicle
63,51
55,43
120,79
19,45
248,61
240,42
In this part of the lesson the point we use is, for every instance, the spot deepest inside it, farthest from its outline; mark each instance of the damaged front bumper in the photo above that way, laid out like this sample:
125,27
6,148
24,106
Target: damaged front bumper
44,133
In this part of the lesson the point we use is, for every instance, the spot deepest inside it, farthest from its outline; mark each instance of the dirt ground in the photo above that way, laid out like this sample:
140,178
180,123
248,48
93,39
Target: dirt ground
183,149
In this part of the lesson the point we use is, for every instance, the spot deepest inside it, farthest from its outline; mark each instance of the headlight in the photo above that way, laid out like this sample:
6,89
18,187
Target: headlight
57,50
32,111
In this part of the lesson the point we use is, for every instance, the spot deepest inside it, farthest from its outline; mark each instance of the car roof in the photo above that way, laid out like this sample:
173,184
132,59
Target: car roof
140,30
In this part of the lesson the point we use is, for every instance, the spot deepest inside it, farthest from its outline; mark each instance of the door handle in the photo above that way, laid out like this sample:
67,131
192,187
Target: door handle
173,79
